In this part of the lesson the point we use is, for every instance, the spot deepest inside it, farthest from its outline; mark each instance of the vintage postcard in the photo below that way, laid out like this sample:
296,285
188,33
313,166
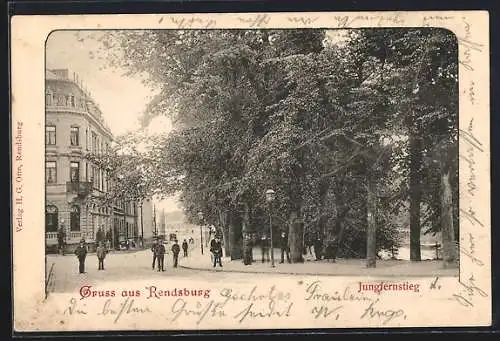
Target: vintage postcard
250,171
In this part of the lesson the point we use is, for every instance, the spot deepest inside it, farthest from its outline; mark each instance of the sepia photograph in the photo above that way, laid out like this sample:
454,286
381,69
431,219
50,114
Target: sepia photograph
213,177
306,151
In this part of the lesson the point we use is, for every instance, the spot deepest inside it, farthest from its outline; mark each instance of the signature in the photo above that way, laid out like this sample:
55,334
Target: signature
183,23
314,293
386,315
381,20
202,310
434,284
469,46
302,20
470,290
325,311
73,308
472,92
272,310
126,307
468,137
470,215
470,254
256,21
255,295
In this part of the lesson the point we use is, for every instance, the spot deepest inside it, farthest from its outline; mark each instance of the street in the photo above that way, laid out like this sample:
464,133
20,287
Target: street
121,267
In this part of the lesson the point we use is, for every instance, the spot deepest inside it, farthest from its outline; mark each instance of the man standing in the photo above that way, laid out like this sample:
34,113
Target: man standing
175,252
60,240
318,245
153,250
284,248
101,254
216,250
160,254
185,247
81,253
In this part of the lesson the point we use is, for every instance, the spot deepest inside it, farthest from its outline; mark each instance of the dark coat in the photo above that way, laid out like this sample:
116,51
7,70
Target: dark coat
215,246
160,249
284,242
101,252
81,251
176,249
265,242
184,245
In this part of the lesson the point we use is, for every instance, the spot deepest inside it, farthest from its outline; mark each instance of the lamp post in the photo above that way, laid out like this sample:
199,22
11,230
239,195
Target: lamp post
63,231
270,195
200,216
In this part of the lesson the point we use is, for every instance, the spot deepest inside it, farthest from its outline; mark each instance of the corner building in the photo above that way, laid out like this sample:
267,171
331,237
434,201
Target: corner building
74,128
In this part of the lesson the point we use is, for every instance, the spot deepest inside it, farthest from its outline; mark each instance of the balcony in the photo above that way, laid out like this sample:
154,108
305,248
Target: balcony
81,189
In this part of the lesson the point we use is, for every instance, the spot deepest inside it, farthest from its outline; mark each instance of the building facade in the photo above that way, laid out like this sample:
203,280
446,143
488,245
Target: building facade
75,128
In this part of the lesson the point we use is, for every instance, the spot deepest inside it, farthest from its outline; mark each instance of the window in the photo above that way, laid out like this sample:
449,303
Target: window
87,139
86,172
51,172
93,176
74,136
51,218
74,171
75,218
50,135
94,143
48,99
72,101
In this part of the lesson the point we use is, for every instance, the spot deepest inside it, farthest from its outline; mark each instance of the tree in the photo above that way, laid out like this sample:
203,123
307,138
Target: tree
280,109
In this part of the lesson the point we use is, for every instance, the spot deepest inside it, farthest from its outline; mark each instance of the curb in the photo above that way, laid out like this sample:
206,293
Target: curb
315,274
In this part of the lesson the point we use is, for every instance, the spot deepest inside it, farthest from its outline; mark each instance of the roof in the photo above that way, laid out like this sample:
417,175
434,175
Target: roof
50,75
59,83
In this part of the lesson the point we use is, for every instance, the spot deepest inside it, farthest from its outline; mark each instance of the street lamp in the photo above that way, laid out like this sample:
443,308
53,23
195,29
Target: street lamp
63,231
200,216
270,195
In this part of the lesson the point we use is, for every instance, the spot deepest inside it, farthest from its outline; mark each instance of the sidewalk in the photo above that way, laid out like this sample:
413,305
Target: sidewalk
342,267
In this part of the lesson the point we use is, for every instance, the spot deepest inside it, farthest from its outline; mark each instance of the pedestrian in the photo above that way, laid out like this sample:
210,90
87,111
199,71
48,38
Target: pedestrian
101,254
160,254
175,252
216,250
264,246
185,248
318,244
153,250
81,253
60,240
285,249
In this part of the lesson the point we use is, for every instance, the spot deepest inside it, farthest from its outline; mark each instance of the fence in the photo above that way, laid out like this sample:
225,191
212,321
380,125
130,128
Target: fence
50,280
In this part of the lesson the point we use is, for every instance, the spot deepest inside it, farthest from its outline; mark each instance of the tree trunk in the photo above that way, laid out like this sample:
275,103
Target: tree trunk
450,253
415,195
295,238
235,236
339,229
223,216
247,236
371,232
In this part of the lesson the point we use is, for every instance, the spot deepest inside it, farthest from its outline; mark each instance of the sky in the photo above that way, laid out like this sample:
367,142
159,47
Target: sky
121,99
